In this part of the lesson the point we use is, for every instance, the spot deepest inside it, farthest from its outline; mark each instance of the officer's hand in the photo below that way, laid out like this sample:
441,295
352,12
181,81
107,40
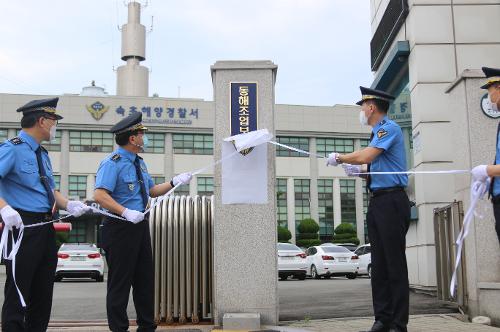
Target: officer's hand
352,170
77,208
10,217
479,173
332,159
183,178
133,216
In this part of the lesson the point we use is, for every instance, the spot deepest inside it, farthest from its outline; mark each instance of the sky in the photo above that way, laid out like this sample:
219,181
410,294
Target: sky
321,47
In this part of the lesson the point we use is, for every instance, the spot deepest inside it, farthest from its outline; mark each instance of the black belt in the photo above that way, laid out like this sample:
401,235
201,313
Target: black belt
383,191
34,217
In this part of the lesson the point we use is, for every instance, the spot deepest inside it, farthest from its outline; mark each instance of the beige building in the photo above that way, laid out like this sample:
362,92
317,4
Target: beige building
428,53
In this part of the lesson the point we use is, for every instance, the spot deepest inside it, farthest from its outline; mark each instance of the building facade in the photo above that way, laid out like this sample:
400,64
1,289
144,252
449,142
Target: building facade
423,51
180,136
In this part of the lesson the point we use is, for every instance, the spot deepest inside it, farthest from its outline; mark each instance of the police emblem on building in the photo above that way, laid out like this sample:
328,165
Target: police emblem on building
97,110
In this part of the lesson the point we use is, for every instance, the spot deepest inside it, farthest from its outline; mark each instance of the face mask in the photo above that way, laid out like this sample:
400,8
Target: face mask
363,119
53,132
145,142
493,105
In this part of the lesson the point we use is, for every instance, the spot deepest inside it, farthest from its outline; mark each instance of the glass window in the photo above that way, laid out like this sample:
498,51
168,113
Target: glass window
335,249
325,146
158,179
302,200
325,208
54,145
78,232
156,143
57,180
281,202
201,144
4,134
183,190
288,246
348,201
205,186
90,141
301,143
364,142
78,186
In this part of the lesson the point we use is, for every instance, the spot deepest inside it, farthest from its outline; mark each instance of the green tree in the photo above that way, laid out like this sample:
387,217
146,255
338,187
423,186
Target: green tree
308,233
345,233
284,235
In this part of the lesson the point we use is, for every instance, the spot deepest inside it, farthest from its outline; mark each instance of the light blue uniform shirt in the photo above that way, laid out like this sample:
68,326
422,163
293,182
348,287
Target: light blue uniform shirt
387,135
496,183
20,184
118,176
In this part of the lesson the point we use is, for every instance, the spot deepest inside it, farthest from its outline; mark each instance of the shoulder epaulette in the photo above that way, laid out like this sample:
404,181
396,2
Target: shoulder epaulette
16,140
43,149
115,157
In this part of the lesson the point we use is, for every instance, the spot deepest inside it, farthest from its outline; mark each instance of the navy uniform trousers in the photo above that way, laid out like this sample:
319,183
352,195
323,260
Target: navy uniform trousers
130,262
36,263
388,220
496,212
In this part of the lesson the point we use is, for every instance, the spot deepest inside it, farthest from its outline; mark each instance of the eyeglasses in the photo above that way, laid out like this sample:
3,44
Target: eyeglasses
53,119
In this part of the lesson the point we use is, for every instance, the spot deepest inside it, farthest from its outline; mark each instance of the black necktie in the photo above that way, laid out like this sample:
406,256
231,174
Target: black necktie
44,179
369,178
140,178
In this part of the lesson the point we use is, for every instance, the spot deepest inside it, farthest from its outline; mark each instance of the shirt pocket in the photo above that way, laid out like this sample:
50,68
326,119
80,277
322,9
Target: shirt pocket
130,181
29,166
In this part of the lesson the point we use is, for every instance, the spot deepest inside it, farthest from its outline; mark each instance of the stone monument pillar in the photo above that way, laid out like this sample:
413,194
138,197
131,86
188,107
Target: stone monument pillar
245,259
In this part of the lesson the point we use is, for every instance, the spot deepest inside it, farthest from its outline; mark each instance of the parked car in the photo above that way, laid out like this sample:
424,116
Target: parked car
291,261
331,260
350,246
365,259
81,260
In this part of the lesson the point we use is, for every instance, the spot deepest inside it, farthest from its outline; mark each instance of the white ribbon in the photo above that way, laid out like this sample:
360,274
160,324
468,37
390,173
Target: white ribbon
16,244
241,142
477,191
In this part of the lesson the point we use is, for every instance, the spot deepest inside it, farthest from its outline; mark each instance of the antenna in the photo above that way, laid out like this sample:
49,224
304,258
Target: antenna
151,28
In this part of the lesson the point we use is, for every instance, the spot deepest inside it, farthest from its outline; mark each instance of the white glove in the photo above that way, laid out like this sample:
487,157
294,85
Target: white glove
10,217
77,208
332,159
133,216
352,170
183,178
479,173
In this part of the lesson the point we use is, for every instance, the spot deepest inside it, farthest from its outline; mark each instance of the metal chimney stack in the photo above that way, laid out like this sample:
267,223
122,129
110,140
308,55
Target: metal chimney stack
132,78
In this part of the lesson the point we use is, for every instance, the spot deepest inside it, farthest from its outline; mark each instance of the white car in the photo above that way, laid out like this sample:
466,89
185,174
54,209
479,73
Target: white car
328,261
291,261
365,259
79,261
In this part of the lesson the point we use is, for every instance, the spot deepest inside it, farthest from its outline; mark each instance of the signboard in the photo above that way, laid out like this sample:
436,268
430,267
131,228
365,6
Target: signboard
486,108
243,101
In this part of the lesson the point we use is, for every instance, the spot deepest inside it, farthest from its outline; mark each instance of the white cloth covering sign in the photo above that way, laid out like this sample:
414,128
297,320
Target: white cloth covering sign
244,178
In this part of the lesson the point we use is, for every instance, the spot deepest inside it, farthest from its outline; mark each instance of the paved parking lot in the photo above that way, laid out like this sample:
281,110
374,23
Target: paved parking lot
299,300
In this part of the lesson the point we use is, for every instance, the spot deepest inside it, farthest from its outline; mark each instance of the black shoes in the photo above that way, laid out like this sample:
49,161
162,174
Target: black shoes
378,326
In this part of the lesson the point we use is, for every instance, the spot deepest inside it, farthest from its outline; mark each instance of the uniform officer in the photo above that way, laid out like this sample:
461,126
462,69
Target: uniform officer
483,172
388,213
123,186
27,196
